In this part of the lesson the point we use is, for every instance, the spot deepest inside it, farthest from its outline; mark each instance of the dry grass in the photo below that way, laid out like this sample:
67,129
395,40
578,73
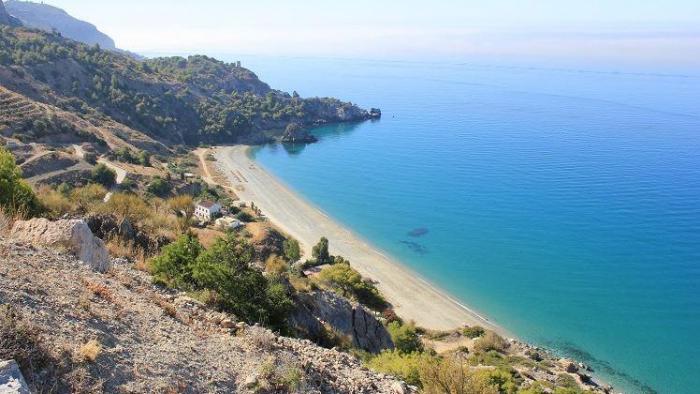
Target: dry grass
127,250
168,308
6,222
101,291
56,203
89,352
260,338
207,237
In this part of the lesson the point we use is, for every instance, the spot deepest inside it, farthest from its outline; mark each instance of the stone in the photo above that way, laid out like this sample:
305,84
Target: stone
228,323
71,235
11,379
250,381
399,388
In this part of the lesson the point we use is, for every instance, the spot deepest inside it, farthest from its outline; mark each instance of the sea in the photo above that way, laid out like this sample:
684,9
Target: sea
563,203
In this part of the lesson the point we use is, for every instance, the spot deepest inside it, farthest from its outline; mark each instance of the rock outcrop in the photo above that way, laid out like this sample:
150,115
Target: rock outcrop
11,379
350,319
73,235
294,133
6,18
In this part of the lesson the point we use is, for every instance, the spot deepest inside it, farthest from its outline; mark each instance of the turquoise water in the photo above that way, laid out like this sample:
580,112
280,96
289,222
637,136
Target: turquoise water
563,204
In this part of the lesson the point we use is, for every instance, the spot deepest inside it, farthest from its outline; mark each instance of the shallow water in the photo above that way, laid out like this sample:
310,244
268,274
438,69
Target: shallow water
563,204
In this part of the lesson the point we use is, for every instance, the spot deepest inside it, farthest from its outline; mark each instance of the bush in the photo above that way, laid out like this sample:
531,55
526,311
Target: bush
245,217
473,332
55,203
128,206
16,196
87,197
405,337
490,341
158,187
451,375
406,366
292,250
103,175
173,267
276,265
349,283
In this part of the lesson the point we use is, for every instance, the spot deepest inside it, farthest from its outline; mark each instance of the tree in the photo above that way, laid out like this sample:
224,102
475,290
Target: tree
158,187
104,175
320,252
292,250
16,196
405,337
173,266
240,289
349,283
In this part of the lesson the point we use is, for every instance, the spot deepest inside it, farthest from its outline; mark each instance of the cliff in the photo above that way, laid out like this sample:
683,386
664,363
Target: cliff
6,18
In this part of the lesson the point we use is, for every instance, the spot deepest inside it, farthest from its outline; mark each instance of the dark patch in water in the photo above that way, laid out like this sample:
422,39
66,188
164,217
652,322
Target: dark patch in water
416,247
418,232
571,350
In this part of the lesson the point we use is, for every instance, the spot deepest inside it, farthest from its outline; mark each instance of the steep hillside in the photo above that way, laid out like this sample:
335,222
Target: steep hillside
172,100
6,19
48,18
75,330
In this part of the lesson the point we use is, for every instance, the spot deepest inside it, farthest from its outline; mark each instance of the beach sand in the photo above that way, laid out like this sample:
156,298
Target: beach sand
413,298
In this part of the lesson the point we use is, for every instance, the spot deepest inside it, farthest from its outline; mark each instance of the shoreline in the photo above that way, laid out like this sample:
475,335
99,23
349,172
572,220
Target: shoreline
413,297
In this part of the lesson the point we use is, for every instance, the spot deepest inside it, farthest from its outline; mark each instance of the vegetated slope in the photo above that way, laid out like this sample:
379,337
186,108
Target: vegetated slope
74,330
173,100
45,17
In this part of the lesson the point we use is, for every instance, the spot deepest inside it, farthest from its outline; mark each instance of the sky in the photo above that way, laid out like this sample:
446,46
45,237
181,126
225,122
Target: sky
634,31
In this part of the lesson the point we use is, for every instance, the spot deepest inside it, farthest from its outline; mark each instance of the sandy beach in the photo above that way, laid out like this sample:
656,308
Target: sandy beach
412,297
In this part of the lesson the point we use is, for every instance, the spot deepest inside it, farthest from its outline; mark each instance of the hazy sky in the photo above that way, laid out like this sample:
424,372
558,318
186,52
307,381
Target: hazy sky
664,31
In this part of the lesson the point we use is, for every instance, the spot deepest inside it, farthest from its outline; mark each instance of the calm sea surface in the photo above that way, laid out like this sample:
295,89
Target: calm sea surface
563,204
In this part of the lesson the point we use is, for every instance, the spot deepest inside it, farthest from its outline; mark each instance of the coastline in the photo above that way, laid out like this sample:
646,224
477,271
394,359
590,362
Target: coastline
413,297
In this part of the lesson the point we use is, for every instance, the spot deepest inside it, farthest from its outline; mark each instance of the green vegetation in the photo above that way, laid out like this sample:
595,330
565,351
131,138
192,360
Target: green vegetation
225,272
191,100
292,250
473,332
104,175
159,187
491,341
348,282
320,252
405,337
406,366
16,196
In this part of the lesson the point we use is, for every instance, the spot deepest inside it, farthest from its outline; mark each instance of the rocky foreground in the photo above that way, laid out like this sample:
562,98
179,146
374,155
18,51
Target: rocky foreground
115,332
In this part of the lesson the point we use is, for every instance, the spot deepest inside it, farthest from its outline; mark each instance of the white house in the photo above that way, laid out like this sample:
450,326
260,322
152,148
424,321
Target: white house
205,210
228,223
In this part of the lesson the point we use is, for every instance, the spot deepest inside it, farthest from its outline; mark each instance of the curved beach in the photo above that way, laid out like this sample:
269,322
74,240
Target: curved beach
412,297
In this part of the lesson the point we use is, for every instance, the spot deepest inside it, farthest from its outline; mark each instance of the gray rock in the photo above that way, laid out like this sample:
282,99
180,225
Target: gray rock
11,379
348,318
72,235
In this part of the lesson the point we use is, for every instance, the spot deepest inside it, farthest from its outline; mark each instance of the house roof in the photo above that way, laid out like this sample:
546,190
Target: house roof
207,204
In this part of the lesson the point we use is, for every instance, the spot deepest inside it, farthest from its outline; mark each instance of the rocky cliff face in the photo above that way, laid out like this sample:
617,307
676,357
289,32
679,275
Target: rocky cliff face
351,320
89,332
45,17
6,18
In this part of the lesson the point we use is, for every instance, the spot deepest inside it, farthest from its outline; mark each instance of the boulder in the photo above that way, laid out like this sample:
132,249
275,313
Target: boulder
294,133
350,319
72,235
11,379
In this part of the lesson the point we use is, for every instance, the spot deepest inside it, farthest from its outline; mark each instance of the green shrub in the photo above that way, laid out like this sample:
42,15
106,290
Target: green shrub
245,217
405,337
406,366
159,187
292,250
349,283
103,175
490,341
473,331
16,196
173,267
320,252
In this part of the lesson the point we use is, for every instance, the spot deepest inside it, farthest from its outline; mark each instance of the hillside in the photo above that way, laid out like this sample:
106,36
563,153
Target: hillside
75,330
172,100
48,18
7,19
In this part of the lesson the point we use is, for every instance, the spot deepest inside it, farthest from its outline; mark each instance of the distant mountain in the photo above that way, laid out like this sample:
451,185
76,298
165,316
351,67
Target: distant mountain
45,17
6,19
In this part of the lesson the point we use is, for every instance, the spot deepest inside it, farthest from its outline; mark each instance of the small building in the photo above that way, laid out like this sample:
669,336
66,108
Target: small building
228,223
206,210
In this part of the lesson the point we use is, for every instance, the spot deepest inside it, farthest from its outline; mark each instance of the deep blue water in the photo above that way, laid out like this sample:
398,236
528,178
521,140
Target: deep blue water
563,204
